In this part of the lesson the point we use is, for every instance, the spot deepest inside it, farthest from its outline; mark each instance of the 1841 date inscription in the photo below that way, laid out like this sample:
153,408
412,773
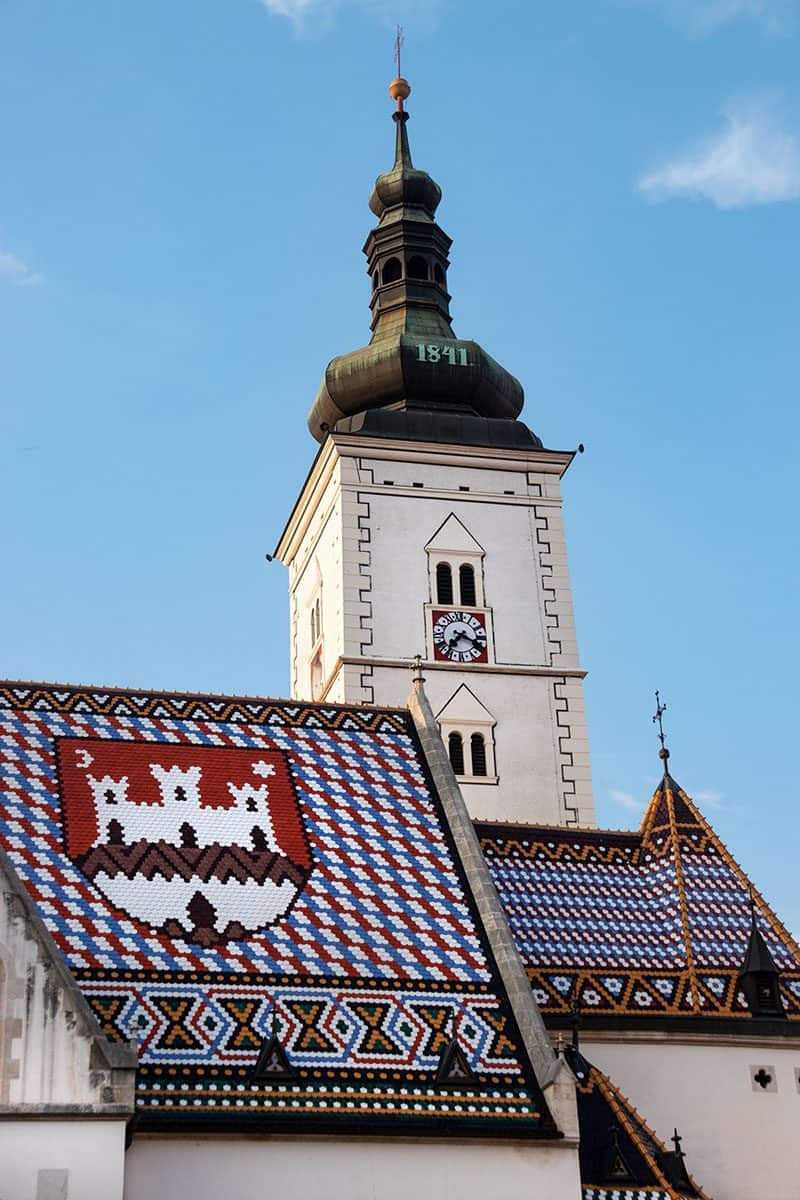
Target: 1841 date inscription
456,356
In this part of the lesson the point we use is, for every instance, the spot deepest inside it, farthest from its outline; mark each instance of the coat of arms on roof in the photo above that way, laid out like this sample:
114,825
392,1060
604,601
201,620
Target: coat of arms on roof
204,843
266,897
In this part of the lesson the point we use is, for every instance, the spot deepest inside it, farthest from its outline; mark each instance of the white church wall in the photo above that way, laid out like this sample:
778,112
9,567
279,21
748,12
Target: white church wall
741,1140
62,1160
348,1169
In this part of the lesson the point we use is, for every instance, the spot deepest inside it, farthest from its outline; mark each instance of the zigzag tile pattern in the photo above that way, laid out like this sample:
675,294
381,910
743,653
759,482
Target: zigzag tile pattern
214,868
654,923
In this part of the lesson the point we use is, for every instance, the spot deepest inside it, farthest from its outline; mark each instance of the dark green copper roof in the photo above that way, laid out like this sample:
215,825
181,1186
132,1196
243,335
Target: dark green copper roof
436,386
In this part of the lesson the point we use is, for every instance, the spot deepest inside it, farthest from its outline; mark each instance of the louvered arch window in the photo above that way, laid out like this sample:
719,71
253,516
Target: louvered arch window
466,581
477,746
392,270
444,583
455,748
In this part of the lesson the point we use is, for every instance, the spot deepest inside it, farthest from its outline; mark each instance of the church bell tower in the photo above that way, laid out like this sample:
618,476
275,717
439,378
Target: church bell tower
431,524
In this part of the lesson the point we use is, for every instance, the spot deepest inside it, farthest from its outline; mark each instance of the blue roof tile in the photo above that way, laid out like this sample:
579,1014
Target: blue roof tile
652,923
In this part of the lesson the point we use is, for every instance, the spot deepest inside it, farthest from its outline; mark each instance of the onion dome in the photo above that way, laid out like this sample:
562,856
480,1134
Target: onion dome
404,184
414,363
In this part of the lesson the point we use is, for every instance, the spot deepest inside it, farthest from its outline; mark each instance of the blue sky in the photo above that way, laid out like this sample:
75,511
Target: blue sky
182,212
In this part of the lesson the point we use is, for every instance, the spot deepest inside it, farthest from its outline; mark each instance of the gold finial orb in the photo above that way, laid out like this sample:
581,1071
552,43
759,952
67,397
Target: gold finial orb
399,89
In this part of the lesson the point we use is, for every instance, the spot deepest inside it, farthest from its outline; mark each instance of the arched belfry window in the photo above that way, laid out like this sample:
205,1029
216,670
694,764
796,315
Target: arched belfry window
455,748
392,270
444,583
468,731
477,746
417,267
453,549
466,582
438,275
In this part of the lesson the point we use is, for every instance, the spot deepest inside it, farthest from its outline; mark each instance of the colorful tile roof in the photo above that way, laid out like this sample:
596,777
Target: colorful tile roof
621,1157
654,924
332,913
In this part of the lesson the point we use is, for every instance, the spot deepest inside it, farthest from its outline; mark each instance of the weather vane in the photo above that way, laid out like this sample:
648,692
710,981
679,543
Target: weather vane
399,88
658,720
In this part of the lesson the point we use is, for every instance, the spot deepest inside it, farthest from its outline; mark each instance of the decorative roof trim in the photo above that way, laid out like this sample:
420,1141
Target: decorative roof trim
195,706
676,850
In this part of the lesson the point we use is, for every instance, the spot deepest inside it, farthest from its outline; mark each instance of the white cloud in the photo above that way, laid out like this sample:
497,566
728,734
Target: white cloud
298,11
15,271
626,800
752,161
310,16
709,799
706,16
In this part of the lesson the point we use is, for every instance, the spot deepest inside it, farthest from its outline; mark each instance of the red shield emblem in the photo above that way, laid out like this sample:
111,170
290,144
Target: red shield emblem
203,843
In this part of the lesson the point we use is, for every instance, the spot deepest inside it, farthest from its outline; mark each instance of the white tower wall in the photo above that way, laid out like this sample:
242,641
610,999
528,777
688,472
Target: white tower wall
362,545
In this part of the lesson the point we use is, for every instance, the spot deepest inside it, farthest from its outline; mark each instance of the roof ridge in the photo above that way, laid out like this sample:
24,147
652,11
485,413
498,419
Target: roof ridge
761,905
681,886
646,825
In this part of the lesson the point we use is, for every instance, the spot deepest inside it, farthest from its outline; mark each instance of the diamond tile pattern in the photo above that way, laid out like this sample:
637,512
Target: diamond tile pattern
215,867
654,923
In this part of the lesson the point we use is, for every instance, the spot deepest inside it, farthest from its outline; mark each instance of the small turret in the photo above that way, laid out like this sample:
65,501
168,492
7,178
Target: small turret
759,977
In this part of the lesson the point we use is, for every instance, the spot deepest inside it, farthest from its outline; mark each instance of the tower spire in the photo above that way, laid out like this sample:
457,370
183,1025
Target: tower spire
414,361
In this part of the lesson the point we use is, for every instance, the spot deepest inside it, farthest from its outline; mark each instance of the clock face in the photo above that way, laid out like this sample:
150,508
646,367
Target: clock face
459,637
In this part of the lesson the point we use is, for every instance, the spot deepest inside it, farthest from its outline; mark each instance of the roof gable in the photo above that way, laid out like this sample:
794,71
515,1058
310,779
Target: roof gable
452,537
218,870
465,706
621,1157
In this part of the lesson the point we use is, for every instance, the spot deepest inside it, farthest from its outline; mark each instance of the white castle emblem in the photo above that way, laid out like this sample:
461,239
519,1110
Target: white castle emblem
181,819
188,839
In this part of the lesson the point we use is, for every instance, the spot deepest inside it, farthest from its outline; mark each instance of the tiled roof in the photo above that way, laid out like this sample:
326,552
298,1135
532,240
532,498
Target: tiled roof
621,1157
654,923
217,869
